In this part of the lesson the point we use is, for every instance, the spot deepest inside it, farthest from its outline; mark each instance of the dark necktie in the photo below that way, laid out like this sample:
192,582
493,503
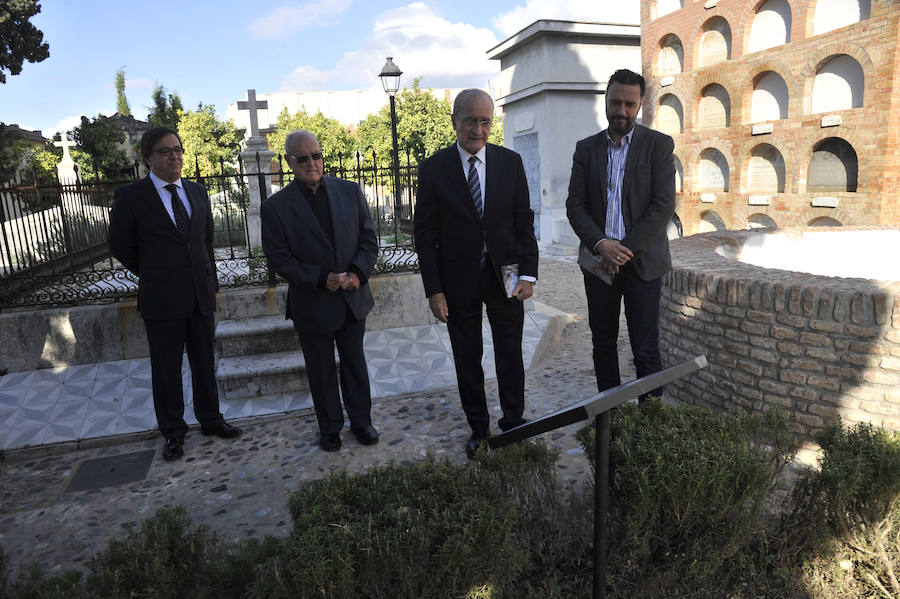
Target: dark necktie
182,220
475,187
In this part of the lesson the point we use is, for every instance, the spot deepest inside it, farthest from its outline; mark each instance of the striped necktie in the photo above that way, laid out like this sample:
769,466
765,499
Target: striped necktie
475,187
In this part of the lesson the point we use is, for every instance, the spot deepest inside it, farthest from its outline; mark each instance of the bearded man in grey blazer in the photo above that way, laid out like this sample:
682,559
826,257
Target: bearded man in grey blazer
318,234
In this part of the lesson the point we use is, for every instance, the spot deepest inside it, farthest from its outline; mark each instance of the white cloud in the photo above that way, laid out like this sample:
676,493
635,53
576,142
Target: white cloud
306,79
513,21
292,18
422,43
63,126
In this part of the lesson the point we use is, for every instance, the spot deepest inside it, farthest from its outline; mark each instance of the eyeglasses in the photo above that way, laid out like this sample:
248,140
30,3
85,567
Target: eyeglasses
166,151
471,121
304,158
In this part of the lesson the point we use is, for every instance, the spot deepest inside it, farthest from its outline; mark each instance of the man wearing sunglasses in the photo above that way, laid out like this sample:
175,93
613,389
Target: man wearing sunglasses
161,229
318,235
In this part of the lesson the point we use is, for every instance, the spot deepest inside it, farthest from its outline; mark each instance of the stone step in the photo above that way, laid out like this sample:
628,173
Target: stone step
260,375
254,336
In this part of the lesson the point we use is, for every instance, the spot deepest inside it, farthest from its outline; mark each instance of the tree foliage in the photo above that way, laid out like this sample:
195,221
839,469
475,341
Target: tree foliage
102,141
334,138
166,108
208,142
122,106
19,39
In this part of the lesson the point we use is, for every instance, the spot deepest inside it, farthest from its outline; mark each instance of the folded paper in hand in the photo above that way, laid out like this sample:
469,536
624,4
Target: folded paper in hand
593,263
510,274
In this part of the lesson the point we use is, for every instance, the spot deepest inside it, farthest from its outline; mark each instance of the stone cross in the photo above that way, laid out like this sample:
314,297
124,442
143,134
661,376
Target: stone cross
66,145
252,105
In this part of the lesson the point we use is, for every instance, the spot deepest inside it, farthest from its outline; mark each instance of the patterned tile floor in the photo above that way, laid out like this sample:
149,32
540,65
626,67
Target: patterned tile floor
87,401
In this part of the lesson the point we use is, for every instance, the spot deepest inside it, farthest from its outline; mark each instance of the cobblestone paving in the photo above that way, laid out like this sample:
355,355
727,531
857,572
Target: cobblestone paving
240,488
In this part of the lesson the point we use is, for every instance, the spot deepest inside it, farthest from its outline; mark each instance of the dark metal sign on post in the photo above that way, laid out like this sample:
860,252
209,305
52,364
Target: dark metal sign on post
598,407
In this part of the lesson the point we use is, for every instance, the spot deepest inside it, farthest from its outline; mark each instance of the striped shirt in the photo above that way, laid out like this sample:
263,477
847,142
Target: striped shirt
615,172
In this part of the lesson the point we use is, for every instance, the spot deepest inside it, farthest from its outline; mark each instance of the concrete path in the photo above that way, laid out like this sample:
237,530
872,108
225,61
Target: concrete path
240,488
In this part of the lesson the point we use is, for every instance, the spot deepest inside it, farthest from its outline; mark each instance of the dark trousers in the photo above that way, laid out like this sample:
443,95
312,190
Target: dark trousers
642,316
506,318
168,340
318,352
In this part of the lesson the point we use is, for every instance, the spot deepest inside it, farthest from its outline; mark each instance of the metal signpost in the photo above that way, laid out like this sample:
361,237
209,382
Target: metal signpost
598,407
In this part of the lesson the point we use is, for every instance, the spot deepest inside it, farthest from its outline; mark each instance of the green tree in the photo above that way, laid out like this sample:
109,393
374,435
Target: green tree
166,108
208,142
122,106
334,138
19,39
102,141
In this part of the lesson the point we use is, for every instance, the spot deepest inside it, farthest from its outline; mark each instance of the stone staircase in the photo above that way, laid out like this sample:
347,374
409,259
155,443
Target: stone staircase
259,357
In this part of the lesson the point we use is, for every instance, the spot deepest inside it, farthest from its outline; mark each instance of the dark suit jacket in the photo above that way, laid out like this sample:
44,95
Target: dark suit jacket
298,248
648,197
449,234
171,271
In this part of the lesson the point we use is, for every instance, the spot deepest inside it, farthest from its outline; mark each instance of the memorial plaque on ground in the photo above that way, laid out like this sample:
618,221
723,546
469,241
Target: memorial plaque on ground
111,470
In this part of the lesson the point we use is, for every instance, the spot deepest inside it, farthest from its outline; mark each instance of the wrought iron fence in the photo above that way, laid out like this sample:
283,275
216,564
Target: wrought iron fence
53,238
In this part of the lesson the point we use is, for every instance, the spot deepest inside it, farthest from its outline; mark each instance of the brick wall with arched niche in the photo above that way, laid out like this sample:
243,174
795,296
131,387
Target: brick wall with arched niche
822,56
671,56
808,344
713,171
679,174
770,27
833,167
715,42
761,221
661,8
765,170
714,107
669,115
769,99
711,221
839,84
829,15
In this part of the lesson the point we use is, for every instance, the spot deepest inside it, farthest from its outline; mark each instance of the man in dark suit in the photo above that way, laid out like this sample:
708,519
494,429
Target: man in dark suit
621,199
474,234
318,234
161,229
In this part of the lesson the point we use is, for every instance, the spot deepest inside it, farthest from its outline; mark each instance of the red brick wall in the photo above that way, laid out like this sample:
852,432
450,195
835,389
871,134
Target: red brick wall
873,129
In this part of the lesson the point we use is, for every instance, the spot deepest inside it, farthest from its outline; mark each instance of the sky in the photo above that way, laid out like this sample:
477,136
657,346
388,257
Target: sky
212,52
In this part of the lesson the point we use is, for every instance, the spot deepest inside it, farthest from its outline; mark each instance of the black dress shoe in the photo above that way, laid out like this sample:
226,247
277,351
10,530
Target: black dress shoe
224,430
173,449
330,441
474,445
366,435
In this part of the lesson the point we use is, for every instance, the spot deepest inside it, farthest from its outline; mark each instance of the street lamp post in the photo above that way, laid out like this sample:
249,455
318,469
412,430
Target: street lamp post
390,80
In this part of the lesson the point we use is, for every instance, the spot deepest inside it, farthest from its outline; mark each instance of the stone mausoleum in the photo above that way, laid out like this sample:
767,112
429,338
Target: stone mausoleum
784,113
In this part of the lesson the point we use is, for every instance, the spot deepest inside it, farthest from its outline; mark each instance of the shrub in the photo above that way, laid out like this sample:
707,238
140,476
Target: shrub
687,490
851,509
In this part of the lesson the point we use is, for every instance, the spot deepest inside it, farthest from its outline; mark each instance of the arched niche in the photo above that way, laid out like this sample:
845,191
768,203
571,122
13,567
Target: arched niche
714,107
713,170
833,167
765,171
671,56
710,221
839,85
761,221
825,221
664,7
769,101
715,41
832,14
670,115
771,26
679,175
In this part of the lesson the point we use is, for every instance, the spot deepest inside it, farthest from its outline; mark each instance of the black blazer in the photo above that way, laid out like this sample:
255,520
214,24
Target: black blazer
298,248
449,236
171,271
648,197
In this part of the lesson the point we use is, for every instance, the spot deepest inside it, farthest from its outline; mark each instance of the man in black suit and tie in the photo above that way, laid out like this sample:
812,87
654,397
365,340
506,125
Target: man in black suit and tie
621,199
318,234
474,234
161,229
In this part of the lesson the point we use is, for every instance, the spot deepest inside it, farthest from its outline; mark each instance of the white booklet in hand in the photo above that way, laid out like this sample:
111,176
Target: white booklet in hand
510,274
592,263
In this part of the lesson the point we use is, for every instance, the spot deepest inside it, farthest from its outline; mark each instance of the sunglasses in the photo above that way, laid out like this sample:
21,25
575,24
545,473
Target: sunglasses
303,159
